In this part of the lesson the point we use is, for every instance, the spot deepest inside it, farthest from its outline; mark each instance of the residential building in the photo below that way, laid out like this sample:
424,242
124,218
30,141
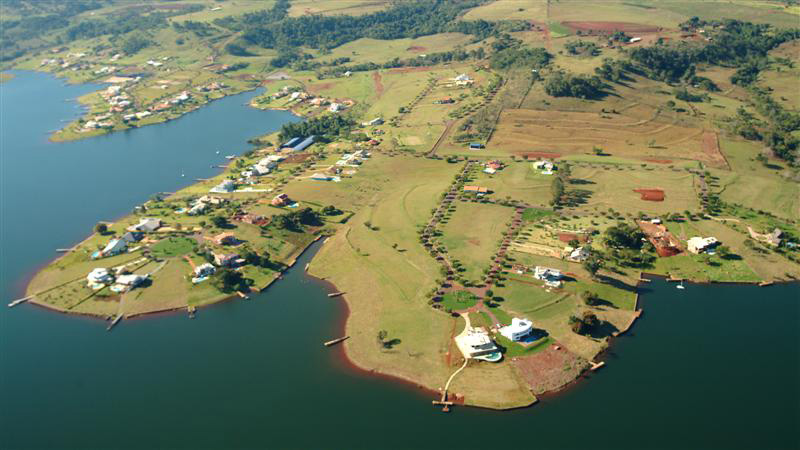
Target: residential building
98,278
699,244
476,189
518,330
475,343
132,236
226,260
147,225
226,238
114,247
551,277
280,200
579,254
125,283
226,186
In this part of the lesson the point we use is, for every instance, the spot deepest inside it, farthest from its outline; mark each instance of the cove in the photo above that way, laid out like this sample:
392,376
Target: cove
713,366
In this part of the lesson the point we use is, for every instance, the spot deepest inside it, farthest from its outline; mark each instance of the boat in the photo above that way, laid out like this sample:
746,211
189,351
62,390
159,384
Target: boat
680,286
218,152
230,157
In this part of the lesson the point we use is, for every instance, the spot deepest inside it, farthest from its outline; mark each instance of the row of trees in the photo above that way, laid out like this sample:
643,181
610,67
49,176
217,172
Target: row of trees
563,84
324,127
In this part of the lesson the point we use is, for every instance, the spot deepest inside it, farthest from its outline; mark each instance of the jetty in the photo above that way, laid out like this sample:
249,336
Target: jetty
597,365
66,250
114,322
336,341
19,300
191,310
765,283
335,294
243,295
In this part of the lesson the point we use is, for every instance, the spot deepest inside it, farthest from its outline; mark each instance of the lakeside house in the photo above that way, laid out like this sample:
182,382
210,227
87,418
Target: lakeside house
518,330
198,209
98,278
699,244
202,272
132,236
280,200
551,277
114,247
125,283
226,186
146,225
475,343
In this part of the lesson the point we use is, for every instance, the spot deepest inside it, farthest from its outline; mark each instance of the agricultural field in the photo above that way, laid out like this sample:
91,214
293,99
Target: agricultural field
518,181
379,51
335,7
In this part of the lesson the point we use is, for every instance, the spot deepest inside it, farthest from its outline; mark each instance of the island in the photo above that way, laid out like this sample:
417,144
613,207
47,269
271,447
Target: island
490,183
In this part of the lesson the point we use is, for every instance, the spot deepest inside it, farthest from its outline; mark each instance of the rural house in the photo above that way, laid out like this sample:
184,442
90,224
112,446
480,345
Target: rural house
698,244
147,225
518,329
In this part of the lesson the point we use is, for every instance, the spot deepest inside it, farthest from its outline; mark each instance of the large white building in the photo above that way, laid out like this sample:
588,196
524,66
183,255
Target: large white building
475,343
551,277
699,244
518,329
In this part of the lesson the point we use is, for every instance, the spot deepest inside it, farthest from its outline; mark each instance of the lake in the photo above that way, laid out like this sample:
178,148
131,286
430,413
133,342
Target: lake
713,366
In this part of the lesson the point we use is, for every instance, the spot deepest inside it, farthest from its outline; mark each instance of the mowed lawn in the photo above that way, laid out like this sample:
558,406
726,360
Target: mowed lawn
473,235
613,187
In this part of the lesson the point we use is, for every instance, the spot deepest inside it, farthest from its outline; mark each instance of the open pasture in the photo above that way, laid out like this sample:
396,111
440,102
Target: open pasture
519,181
525,131
473,235
336,7
614,187
535,10
379,51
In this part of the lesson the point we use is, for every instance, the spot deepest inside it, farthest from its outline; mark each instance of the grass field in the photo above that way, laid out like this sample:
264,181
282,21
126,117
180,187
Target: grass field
519,181
473,233
379,51
613,187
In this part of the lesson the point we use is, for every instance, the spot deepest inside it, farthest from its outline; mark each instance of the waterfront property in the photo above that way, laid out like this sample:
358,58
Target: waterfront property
517,330
699,244
147,225
475,343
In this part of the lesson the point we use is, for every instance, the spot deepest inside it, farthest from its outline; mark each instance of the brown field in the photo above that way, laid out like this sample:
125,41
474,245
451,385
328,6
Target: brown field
666,243
610,27
376,79
549,369
527,131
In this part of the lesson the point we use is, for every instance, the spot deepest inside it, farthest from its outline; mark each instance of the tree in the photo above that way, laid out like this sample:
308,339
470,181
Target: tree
590,298
219,221
226,280
574,243
593,264
101,228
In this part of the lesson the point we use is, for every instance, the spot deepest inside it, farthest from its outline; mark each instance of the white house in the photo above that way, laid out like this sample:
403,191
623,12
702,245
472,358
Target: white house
202,272
225,186
125,283
475,343
335,107
699,244
579,254
551,277
98,278
518,329
197,209
146,224
114,247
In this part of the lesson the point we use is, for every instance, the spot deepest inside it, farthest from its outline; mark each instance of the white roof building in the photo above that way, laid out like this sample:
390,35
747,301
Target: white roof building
225,186
700,244
98,278
551,277
147,224
475,343
115,246
579,254
518,329
125,283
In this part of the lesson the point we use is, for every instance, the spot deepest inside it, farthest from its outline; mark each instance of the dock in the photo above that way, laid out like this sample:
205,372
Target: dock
114,322
243,295
336,341
191,310
596,366
19,300
766,283
335,294
65,250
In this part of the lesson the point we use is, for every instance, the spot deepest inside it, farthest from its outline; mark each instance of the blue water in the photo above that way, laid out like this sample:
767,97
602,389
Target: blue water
713,366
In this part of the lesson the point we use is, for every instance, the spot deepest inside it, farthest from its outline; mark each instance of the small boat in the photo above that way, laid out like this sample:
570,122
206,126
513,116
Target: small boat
230,157
218,152
680,286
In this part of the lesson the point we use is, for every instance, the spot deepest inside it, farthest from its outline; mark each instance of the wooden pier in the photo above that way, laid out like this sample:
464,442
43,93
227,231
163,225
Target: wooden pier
335,294
766,283
66,250
20,300
114,322
597,365
243,295
191,310
336,341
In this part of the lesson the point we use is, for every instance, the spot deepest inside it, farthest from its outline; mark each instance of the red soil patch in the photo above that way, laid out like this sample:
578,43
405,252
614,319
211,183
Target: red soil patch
659,161
550,155
376,79
298,158
610,27
474,241
416,49
566,237
549,369
665,242
410,69
651,195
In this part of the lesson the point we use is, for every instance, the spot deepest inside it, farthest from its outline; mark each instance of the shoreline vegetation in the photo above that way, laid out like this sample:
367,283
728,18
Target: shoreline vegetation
446,174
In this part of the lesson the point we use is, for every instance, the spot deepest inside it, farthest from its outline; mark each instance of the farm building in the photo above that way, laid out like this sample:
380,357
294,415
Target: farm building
476,146
291,142
304,144
518,329
698,244
476,189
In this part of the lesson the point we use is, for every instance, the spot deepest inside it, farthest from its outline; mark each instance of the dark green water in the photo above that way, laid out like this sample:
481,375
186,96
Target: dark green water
708,367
